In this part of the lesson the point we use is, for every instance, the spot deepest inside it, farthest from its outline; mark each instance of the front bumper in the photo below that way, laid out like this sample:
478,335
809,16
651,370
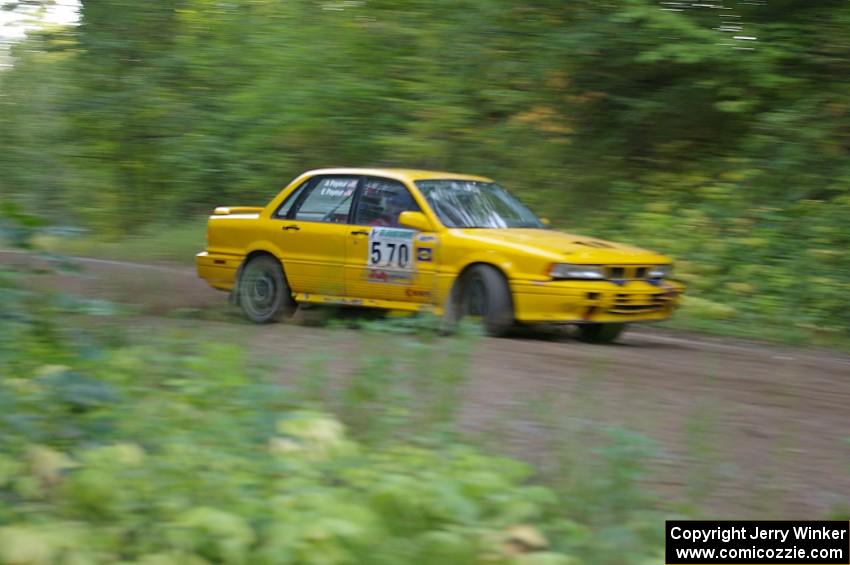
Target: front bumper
577,301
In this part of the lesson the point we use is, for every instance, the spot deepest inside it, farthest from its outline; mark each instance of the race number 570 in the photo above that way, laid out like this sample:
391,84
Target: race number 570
390,255
391,249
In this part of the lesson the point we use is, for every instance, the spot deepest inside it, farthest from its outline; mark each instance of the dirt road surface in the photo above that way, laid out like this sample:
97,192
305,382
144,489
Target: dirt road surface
743,429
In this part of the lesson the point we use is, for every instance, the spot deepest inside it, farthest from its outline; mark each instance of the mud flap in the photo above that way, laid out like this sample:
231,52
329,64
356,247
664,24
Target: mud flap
233,297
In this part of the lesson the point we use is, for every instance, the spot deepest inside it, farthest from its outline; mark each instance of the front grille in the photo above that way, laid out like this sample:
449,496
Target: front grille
626,303
627,272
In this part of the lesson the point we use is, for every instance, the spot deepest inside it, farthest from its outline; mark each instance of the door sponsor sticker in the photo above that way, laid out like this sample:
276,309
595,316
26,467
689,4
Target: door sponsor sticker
391,249
417,293
424,254
391,277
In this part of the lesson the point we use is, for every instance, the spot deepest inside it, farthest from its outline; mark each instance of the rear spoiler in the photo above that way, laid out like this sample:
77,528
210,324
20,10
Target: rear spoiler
228,210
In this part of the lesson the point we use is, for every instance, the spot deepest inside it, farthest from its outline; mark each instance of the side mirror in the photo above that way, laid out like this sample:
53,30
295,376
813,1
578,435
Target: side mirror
545,221
415,220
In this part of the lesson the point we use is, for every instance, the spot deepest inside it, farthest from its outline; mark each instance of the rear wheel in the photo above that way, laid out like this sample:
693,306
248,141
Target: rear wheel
263,293
482,293
600,333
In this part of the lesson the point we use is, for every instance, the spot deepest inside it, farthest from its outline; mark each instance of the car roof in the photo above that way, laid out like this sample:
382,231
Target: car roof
398,174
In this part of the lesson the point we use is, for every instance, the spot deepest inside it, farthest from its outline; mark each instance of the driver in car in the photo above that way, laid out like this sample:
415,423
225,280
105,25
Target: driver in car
393,205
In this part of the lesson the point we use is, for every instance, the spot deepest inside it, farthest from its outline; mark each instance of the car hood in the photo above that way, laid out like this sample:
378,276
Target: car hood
569,247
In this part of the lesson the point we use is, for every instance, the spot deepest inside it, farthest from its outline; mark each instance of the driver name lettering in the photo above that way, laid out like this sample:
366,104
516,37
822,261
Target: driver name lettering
330,191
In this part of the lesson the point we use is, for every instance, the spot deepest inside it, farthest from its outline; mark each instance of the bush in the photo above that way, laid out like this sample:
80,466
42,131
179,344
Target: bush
209,465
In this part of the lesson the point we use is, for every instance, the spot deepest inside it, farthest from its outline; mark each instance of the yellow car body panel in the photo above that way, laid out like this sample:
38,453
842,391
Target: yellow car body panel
326,262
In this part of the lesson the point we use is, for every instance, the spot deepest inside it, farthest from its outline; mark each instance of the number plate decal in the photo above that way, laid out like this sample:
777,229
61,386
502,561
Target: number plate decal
391,249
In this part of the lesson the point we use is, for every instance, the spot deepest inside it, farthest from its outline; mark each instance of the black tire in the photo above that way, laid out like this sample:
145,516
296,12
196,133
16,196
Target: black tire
600,333
263,293
482,291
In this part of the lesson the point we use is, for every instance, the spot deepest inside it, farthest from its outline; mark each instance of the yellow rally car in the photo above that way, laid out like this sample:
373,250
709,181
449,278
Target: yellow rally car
455,245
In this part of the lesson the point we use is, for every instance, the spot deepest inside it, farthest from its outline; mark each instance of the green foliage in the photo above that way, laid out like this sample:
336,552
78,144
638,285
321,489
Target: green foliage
655,126
184,454
163,450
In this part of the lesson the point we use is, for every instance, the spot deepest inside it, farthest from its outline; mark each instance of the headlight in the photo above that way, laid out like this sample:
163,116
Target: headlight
660,271
568,271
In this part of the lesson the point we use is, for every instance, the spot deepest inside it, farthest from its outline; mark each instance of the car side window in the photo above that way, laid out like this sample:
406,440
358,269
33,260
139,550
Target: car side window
329,200
381,201
286,206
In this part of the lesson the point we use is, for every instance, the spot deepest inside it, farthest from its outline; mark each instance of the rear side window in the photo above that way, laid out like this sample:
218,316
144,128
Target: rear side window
290,201
328,200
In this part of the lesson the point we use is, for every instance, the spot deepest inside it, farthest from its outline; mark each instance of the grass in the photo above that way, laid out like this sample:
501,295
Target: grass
757,329
171,242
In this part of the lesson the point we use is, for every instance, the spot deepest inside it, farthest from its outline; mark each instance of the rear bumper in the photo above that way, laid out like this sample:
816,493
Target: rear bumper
594,301
218,270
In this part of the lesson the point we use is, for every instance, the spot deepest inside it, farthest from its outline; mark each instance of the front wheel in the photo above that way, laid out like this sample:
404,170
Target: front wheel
600,333
482,293
263,293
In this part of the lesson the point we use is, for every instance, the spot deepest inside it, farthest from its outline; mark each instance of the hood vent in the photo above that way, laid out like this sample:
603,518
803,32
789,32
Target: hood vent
591,243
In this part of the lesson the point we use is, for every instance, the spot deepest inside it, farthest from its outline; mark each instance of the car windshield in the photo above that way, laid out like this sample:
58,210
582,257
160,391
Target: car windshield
475,204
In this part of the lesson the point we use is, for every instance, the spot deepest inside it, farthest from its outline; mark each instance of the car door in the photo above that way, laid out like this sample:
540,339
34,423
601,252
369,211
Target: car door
313,231
384,260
